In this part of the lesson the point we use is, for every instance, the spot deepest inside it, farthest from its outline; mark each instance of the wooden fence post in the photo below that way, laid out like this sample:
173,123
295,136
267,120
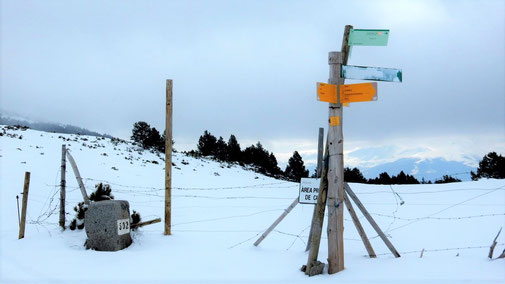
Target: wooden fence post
62,186
24,205
168,159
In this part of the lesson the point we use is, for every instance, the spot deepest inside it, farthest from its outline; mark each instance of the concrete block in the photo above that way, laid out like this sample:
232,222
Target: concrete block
107,225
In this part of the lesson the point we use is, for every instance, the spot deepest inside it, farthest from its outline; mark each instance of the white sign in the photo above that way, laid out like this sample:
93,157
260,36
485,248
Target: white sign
123,226
309,189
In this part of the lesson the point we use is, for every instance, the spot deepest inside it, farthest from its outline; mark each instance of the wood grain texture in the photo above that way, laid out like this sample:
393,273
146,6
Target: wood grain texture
318,217
359,228
26,187
168,160
62,186
371,220
78,177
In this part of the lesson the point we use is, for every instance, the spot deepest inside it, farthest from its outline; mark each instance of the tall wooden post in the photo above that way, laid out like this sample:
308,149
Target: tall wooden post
318,218
26,186
319,171
62,186
320,152
335,201
168,160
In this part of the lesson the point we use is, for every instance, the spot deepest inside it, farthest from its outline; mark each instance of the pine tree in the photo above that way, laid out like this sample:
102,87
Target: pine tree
221,149
207,144
403,178
354,175
140,133
447,179
383,178
295,169
492,165
234,152
153,139
273,166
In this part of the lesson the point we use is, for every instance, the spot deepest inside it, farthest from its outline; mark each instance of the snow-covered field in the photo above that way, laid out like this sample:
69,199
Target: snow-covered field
218,213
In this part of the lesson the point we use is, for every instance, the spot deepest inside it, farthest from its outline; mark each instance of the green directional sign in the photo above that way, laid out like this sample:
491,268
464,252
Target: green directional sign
368,37
372,73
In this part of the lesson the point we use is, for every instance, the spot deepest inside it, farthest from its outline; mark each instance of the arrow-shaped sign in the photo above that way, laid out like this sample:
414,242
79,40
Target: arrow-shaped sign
372,73
368,37
351,93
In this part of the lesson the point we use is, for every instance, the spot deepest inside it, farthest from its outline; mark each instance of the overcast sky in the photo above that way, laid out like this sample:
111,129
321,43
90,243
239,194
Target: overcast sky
250,68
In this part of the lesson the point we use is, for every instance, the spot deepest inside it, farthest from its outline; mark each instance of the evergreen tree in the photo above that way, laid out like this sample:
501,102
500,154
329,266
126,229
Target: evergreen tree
207,144
354,175
295,169
140,133
492,165
447,179
221,149
383,178
403,178
153,139
234,152
273,166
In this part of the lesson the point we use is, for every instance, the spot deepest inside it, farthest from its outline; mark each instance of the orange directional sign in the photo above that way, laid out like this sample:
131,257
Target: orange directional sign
358,92
327,93
351,93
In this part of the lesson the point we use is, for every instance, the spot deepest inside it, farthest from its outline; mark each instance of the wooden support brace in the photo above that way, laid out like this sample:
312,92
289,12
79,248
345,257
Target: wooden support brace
493,245
318,218
272,227
359,228
78,177
142,224
371,220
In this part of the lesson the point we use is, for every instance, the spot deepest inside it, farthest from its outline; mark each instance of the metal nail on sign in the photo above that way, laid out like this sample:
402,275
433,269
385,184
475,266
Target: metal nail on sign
368,37
372,73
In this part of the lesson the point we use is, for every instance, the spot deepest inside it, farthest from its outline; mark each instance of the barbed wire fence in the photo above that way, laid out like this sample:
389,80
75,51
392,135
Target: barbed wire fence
51,205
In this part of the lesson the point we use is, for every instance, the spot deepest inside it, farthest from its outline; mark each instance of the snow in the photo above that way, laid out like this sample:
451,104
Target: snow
217,214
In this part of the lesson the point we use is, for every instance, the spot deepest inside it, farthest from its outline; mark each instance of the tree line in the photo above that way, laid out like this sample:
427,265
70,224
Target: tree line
261,160
492,165
355,175
255,156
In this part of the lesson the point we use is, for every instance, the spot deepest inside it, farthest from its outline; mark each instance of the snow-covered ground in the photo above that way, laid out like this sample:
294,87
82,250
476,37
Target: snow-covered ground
218,213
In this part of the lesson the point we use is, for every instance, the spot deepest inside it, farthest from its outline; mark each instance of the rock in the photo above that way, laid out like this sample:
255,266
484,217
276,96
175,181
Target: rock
108,225
317,268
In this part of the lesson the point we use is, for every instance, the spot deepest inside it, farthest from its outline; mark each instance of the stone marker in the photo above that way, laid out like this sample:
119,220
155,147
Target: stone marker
107,225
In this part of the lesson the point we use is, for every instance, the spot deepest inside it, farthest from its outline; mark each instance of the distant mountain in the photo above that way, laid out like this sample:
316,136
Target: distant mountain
50,127
430,169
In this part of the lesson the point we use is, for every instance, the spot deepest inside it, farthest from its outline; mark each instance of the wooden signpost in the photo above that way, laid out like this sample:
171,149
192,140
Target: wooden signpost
333,192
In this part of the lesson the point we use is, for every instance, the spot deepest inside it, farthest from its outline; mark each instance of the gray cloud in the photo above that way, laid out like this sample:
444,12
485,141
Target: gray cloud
250,68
